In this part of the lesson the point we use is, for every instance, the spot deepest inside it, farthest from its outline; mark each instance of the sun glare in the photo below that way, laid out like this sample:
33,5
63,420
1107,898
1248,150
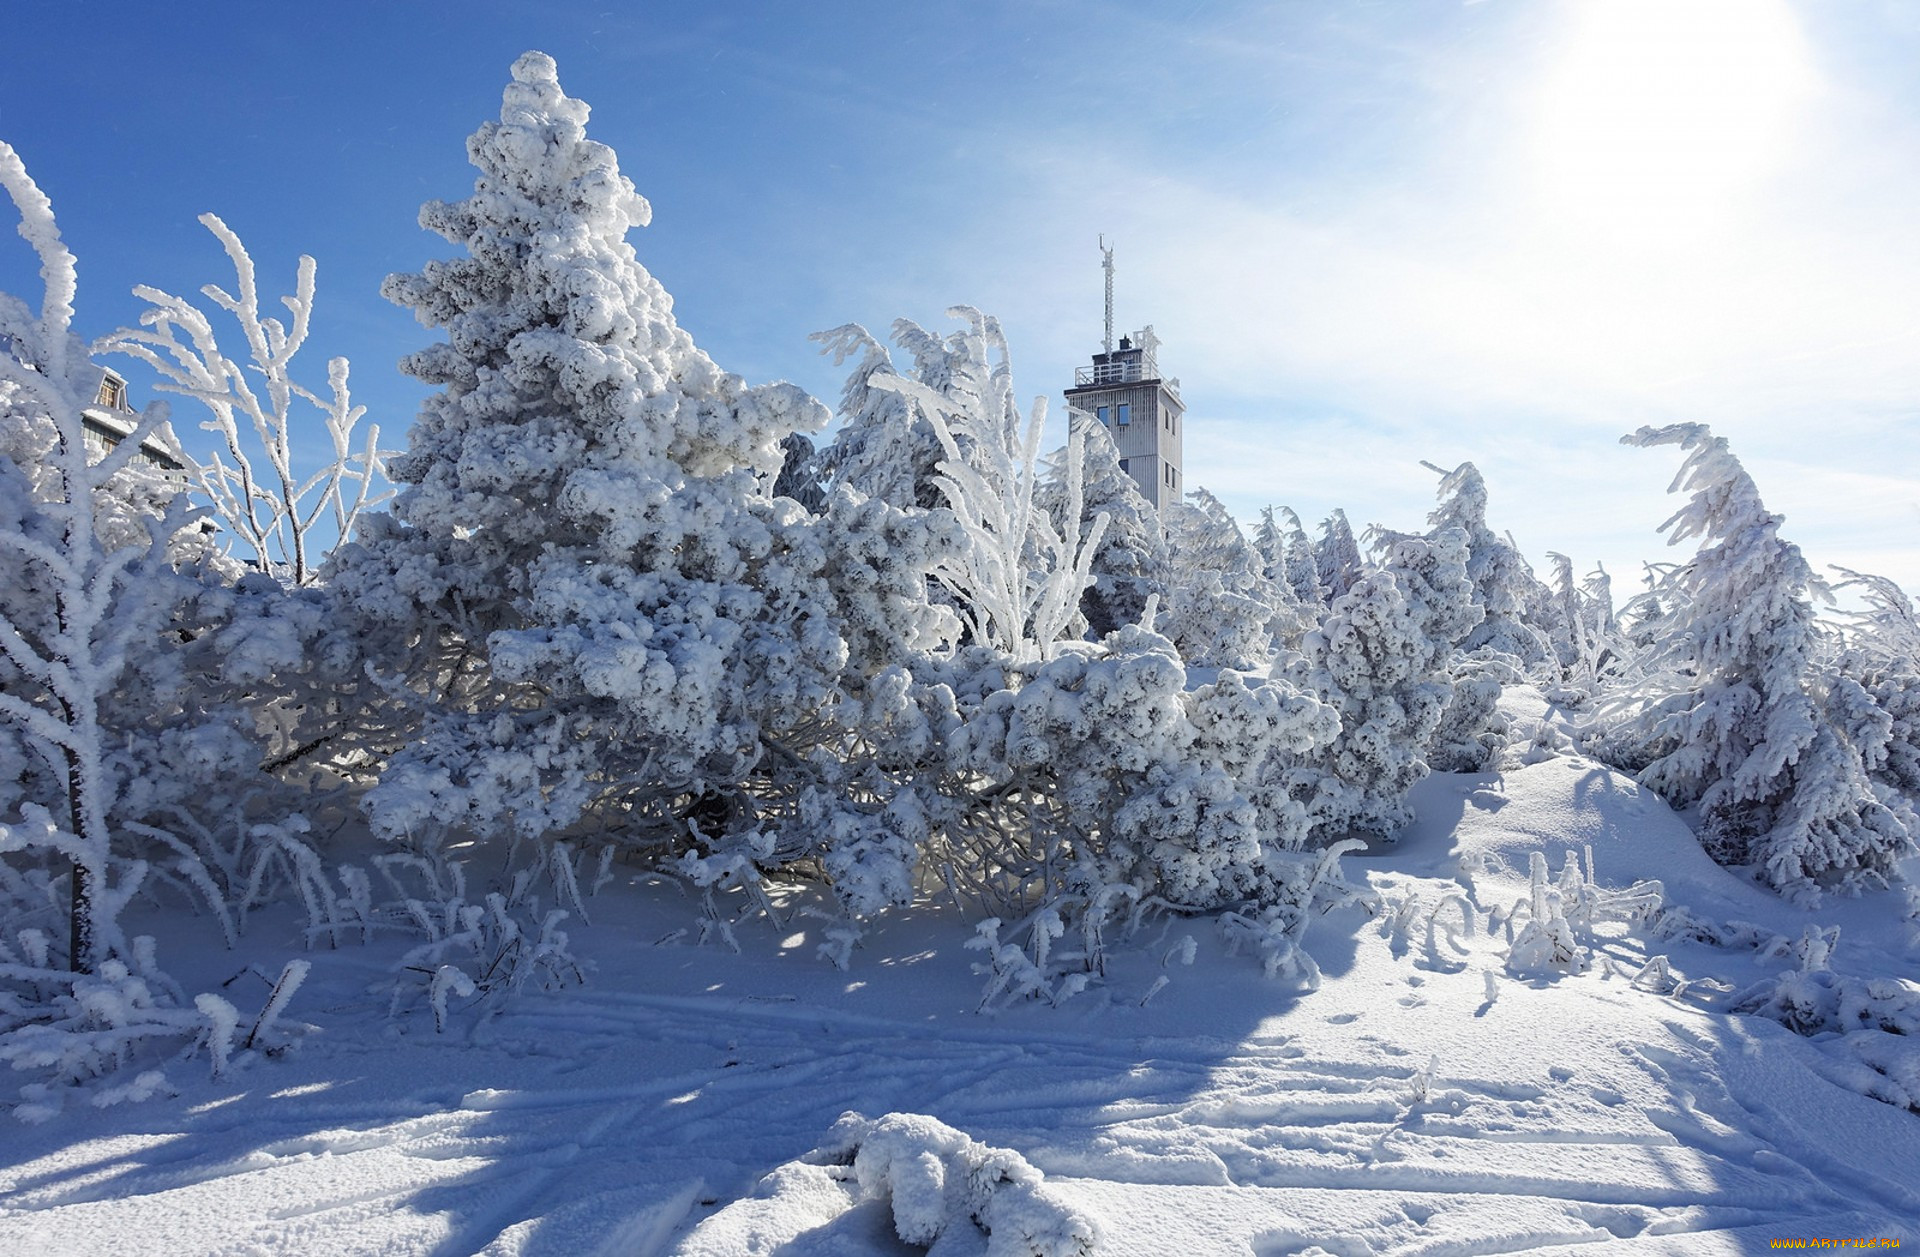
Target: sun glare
1658,115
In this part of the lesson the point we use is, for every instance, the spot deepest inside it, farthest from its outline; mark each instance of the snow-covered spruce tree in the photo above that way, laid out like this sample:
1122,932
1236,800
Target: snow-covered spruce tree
1383,659
1130,563
84,590
1220,605
799,476
263,501
1270,543
1471,732
1748,717
1298,569
1513,602
1569,614
1293,613
610,625
1504,646
1336,556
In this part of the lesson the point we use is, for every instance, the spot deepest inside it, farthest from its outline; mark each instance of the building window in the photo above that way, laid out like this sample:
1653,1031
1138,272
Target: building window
113,393
1123,464
1169,421
1103,414
1126,414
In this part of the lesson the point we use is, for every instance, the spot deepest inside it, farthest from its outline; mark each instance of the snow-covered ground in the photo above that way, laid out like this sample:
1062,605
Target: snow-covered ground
1423,1100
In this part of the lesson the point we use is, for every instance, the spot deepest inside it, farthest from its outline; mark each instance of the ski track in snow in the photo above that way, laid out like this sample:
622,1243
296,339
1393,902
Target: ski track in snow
1397,1110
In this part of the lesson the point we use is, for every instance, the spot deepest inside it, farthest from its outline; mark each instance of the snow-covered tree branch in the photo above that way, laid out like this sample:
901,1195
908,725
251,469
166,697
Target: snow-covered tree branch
256,477
1019,581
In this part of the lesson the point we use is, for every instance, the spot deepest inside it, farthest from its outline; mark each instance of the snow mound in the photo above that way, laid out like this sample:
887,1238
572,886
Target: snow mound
1486,829
944,1189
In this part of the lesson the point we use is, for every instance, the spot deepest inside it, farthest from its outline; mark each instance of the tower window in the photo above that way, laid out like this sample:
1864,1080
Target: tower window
1126,414
1104,414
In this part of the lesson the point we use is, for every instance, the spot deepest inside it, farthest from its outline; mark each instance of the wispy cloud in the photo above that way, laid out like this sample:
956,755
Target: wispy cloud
1329,341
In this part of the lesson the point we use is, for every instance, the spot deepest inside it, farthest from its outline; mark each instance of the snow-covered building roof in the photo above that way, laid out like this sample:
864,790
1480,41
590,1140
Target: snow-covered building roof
111,419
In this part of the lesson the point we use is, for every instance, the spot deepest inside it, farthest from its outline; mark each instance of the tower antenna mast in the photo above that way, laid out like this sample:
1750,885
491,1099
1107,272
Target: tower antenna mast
1106,264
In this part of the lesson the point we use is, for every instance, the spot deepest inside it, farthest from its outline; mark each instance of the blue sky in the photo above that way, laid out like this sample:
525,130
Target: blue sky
1368,234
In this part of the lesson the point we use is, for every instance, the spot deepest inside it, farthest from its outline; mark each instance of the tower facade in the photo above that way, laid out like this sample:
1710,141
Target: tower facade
1140,408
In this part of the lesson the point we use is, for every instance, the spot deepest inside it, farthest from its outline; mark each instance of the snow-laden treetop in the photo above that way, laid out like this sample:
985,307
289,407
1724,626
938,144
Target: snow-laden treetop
561,349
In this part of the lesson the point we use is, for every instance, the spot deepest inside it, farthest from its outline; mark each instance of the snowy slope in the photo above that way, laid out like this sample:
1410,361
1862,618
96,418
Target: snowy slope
1423,1100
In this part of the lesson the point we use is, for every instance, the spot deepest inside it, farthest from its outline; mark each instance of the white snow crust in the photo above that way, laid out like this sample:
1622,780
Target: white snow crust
690,1100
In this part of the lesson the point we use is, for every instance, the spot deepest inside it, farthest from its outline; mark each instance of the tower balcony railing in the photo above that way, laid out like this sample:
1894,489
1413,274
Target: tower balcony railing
1128,371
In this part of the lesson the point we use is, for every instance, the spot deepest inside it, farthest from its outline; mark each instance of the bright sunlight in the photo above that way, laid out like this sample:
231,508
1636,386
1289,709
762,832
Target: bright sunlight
1660,114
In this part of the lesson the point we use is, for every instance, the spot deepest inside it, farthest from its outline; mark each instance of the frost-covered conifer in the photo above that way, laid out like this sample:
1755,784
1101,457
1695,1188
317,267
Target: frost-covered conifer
1299,569
1130,563
1883,656
1748,718
1512,600
1383,659
618,625
1336,556
1294,613
1125,778
1271,545
1220,605
1503,644
1471,732
799,473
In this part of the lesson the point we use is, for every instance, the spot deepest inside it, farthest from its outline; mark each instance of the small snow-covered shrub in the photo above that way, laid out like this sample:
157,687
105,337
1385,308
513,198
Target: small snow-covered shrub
1273,930
261,500
485,948
1011,974
1877,1019
1472,734
1561,915
1810,998
1548,942
937,1179
1018,579
106,1036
